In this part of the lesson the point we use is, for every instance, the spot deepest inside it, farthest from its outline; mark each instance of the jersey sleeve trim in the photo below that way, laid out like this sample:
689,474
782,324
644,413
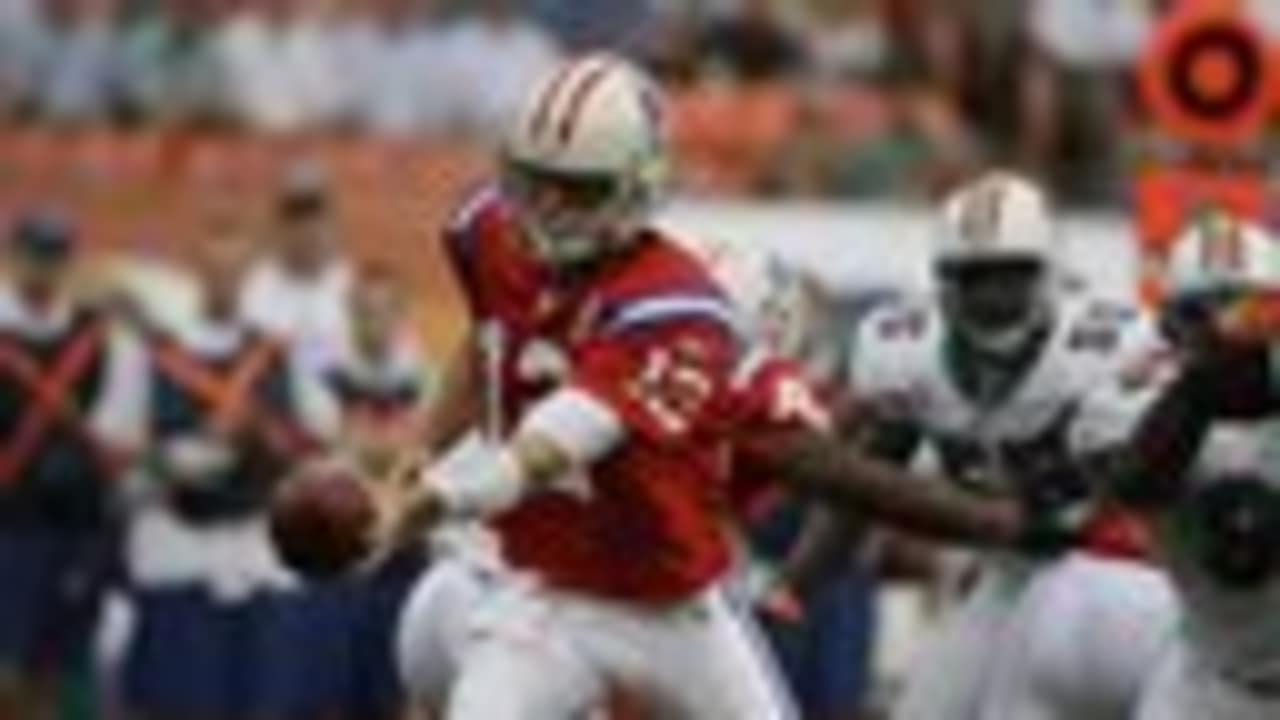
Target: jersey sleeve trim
651,311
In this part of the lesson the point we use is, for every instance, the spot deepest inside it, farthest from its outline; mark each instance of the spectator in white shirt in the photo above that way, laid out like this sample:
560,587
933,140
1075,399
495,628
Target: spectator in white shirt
300,291
395,59
280,63
499,53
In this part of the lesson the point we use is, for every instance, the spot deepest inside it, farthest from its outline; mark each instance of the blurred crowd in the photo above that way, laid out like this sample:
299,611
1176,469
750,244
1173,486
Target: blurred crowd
786,97
149,411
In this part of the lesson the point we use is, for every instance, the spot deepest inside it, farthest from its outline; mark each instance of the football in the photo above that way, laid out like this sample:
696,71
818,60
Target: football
321,521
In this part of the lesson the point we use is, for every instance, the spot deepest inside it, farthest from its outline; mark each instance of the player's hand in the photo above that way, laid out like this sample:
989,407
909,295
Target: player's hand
1048,532
1048,536
1056,503
407,507
377,452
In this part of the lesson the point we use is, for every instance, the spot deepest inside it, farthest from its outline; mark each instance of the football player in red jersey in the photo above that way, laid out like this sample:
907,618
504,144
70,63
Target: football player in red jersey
606,355
602,369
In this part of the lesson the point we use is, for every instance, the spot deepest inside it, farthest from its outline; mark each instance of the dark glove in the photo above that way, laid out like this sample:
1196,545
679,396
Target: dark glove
1056,502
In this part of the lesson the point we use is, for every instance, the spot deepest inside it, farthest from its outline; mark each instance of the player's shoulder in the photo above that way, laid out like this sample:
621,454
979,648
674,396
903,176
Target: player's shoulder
478,208
895,348
660,281
479,243
660,264
1103,327
481,216
1084,308
901,328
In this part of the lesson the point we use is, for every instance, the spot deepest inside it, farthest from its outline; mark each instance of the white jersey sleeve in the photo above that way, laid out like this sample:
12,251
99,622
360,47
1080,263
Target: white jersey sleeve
884,354
1133,377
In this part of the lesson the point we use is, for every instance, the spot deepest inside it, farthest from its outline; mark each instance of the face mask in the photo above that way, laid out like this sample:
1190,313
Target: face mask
571,218
997,304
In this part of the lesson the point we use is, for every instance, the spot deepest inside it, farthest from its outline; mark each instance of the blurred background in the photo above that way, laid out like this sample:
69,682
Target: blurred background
820,128
779,98
121,106
846,99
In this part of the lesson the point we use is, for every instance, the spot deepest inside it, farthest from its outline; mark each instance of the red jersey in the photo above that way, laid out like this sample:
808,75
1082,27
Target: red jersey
1117,533
649,334
773,397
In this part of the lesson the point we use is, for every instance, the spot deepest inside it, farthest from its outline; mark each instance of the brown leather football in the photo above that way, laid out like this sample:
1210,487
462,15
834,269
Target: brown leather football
321,521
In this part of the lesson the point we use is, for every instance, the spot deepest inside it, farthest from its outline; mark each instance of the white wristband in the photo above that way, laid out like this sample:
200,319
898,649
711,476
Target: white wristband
579,424
488,486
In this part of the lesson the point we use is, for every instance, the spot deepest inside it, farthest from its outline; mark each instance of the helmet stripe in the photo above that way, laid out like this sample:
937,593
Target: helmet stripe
542,115
578,98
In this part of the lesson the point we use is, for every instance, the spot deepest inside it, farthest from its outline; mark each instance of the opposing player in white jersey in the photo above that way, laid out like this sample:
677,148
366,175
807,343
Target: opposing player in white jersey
991,376
1219,521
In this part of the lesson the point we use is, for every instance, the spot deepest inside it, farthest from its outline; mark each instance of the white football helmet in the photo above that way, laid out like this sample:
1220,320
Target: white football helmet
1219,252
585,159
995,261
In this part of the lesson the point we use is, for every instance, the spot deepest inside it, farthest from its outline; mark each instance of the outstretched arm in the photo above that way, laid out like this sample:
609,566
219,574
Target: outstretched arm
827,468
831,531
1152,431
456,407
1147,469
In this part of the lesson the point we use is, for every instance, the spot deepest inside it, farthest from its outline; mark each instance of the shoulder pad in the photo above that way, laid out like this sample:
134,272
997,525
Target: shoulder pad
1100,325
895,323
886,349
464,233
